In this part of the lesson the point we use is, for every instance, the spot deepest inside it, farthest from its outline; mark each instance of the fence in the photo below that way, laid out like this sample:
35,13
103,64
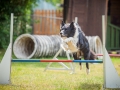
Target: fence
47,22
113,37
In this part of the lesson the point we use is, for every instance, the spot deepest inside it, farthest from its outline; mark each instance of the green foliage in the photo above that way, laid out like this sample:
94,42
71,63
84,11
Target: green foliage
22,10
54,2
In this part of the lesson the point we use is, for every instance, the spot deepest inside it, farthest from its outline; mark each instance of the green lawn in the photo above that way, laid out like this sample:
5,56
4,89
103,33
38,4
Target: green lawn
31,76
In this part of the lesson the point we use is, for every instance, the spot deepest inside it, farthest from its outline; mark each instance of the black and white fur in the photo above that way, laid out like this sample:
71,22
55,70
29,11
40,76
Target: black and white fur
74,31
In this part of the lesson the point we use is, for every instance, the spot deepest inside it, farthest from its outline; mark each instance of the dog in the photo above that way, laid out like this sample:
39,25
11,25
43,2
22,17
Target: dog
73,30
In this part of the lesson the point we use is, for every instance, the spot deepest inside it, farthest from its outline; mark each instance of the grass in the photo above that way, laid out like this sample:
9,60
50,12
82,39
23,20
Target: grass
31,76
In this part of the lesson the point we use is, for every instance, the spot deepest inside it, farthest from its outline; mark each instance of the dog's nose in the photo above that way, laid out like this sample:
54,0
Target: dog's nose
60,33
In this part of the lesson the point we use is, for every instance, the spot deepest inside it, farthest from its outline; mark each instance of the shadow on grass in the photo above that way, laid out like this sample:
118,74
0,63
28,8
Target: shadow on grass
87,86
36,64
29,64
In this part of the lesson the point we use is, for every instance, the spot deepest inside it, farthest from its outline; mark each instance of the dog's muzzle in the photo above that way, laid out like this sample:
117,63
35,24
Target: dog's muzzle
61,33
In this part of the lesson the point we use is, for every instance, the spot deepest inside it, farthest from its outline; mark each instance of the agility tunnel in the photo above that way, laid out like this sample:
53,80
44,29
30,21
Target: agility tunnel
29,46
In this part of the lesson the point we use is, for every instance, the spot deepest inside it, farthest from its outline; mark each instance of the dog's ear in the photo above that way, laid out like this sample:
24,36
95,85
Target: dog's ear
72,25
62,24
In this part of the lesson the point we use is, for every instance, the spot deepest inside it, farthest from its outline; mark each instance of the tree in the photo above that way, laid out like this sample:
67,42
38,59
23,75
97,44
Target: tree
22,10
56,2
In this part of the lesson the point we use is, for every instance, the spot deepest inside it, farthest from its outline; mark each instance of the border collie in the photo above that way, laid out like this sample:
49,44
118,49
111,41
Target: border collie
74,31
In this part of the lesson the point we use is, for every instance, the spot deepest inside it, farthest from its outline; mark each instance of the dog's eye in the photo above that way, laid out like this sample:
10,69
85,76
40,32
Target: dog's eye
62,28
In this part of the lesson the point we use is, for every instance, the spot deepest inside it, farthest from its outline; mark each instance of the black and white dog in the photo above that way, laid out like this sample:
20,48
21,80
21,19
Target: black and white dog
74,31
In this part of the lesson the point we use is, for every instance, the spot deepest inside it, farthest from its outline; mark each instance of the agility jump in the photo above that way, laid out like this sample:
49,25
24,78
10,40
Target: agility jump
111,78
34,60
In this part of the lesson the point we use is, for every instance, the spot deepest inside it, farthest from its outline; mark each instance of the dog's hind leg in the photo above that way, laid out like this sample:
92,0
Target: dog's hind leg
87,68
92,56
80,64
86,57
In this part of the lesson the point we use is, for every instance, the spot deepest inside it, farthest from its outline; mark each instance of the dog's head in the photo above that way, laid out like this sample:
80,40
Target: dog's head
67,30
